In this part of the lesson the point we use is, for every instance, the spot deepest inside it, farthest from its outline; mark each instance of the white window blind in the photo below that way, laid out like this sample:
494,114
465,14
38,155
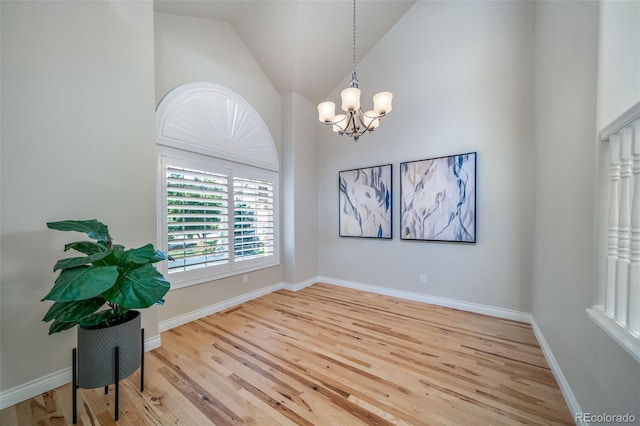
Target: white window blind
197,219
253,219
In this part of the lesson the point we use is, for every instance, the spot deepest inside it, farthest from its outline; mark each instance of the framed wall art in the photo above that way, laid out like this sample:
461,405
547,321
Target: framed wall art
438,199
365,202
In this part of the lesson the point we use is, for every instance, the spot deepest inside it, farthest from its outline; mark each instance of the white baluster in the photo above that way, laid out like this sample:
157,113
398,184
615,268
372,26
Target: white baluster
633,308
612,239
624,227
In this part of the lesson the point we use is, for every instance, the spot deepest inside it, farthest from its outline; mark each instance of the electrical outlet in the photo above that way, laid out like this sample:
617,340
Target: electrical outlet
245,279
423,278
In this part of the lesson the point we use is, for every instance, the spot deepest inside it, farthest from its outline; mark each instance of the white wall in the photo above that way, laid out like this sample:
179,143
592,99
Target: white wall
78,142
619,59
603,378
461,77
299,190
191,50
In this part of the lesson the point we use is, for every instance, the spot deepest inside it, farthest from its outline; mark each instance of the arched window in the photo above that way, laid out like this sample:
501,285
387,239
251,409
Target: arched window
217,183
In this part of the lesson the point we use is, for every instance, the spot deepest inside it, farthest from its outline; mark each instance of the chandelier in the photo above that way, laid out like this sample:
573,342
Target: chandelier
355,122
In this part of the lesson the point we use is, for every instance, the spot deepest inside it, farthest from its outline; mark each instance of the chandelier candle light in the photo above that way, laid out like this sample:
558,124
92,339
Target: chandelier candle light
355,122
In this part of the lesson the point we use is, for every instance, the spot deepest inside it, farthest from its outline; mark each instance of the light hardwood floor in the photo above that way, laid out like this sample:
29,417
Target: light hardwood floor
327,355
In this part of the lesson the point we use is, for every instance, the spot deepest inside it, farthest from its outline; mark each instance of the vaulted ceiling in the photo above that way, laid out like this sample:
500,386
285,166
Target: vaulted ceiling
303,46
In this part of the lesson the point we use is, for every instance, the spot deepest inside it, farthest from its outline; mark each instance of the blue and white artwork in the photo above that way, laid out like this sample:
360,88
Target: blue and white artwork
365,202
438,199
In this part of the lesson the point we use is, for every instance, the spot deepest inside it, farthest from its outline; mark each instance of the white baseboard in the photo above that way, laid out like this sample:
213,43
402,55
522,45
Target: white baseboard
569,397
152,343
300,286
51,381
179,320
434,300
35,387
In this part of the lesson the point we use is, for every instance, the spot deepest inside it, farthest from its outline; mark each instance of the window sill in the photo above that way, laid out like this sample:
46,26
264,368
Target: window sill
205,277
626,339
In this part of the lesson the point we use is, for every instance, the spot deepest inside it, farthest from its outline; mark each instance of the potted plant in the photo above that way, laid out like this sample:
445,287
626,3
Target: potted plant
109,276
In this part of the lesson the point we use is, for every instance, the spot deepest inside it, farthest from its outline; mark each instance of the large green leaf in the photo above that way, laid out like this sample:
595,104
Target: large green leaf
86,247
138,288
94,229
144,254
117,251
58,326
73,262
83,282
73,311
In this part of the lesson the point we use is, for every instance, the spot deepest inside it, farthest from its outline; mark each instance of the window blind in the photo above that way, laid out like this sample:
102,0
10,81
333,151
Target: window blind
197,219
253,218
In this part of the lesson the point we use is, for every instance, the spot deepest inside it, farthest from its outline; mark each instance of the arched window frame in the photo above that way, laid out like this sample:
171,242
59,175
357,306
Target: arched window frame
211,130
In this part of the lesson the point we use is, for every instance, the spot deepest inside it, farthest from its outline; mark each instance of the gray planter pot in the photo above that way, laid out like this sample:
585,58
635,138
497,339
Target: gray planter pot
96,352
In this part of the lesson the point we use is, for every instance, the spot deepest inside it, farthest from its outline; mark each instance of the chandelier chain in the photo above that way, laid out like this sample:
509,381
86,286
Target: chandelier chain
353,72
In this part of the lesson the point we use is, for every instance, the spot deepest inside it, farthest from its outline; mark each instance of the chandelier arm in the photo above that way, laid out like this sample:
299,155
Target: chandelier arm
350,128
369,127
355,125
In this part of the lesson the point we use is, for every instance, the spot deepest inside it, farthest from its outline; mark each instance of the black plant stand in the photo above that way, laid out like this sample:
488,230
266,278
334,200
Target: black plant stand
116,379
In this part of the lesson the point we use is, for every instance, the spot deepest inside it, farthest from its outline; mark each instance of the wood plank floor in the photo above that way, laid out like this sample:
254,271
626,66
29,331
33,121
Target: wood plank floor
327,355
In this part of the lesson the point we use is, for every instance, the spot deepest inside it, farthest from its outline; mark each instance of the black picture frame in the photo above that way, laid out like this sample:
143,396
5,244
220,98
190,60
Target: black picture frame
365,202
438,199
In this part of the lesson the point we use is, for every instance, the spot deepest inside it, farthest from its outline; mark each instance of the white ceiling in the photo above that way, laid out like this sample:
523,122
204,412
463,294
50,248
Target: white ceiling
303,46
